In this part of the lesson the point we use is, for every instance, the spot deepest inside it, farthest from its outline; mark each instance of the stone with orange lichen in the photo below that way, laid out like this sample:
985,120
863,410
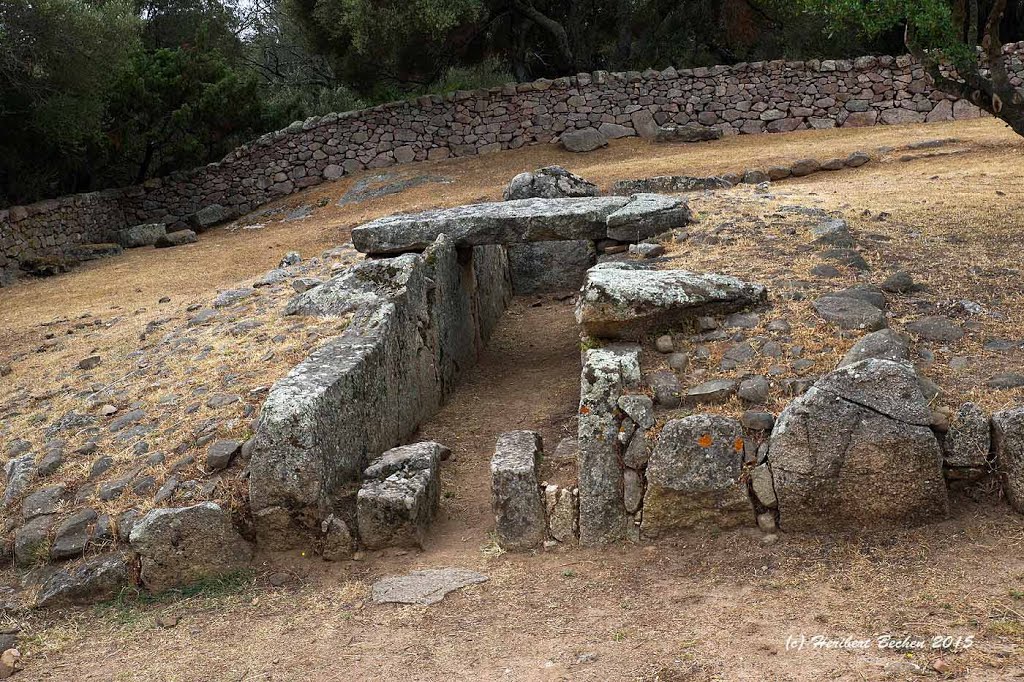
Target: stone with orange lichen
694,477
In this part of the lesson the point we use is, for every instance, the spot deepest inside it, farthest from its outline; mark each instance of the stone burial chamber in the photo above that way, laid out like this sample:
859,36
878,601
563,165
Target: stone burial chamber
416,323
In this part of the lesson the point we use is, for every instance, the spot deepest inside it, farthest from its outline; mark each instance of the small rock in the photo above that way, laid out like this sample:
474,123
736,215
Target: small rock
9,661
168,620
179,238
936,328
679,361
711,392
900,282
664,344
304,284
849,313
289,259
220,454
107,410
1006,380
754,390
766,522
668,392
757,421
90,362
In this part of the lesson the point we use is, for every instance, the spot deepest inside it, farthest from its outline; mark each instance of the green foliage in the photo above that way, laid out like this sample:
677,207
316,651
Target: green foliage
58,58
175,108
930,24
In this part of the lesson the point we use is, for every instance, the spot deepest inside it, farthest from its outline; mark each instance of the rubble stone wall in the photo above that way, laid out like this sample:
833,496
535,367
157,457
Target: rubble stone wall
776,96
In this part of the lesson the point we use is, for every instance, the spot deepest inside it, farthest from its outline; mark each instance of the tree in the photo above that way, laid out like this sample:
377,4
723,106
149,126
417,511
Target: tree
177,108
58,60
944,37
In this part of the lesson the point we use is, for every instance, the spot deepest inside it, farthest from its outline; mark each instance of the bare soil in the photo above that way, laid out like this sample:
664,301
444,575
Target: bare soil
696,608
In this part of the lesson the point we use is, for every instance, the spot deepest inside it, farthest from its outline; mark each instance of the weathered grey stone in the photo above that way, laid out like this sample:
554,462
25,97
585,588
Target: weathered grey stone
562,505
178,238
670,184
884,344
178,546
856,452
220,453
936,328
849,313
584,140
503,222
710,392
1008,448
805,167
899,282
515,491
32,540
762,487
967,440
687,133
72,535
614,131
647,215
626,300
639,408
93,580
543,267
141,235
833,232
643,123
607,374
694,477
270,278
338,542
424,587
668,392
18,474
43,501
416,323
400,495
1005,380
207,217
550,182
864,292
754,389
757,421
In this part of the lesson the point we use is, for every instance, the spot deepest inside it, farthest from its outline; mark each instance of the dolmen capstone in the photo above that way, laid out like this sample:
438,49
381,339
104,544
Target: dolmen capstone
526,220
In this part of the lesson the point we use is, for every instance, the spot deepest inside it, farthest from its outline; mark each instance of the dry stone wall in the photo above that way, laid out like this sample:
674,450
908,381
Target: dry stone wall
776,96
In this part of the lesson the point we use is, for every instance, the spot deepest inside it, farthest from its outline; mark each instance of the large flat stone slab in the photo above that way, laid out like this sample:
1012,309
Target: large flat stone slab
525,220
626,300
502,222
424,587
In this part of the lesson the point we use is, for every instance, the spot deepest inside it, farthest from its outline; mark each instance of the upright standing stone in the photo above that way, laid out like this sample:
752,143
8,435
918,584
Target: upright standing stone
1008,446
515,491
400,495
183,545
694,477
856,452
608,373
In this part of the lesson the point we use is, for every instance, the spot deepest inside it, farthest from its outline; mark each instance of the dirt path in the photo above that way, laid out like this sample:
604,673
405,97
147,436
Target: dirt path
527,378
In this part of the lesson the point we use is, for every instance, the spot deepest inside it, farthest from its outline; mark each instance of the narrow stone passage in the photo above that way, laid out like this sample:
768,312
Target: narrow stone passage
527,378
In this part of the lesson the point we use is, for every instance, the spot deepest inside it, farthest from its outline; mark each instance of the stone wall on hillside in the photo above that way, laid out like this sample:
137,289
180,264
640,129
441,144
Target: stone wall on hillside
776,96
